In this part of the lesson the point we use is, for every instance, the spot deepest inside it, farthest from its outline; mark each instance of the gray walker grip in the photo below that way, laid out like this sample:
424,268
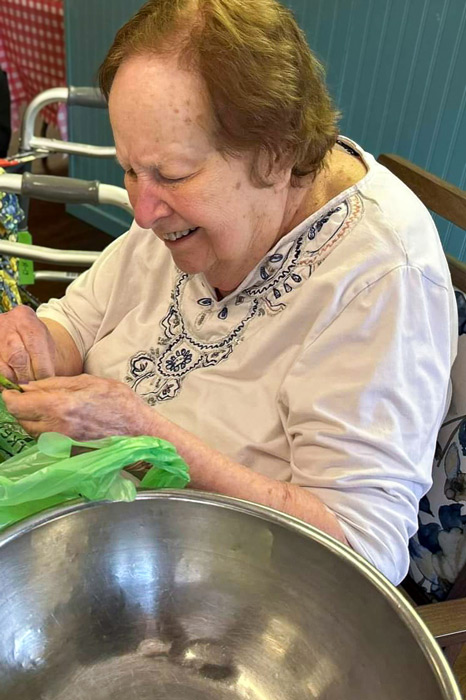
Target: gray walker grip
58,189
86,97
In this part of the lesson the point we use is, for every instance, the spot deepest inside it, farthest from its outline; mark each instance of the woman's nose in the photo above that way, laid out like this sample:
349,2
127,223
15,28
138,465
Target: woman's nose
149,206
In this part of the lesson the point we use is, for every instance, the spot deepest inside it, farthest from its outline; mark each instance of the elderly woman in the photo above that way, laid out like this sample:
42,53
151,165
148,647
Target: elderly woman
280,310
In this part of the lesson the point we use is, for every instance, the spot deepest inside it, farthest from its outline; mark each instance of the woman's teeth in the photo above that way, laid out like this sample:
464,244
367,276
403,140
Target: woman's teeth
178,234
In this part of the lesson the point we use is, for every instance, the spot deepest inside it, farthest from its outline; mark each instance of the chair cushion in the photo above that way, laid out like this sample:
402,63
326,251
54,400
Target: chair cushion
438,550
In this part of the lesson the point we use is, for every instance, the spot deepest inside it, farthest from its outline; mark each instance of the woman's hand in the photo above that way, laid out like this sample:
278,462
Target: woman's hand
88,408
27,349
82,407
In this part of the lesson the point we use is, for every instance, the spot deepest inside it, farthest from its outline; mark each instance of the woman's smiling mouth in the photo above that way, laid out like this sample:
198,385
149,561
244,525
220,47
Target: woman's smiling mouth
176,236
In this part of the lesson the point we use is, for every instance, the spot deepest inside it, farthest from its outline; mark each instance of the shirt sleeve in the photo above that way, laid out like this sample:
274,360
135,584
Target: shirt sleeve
82,308
363,404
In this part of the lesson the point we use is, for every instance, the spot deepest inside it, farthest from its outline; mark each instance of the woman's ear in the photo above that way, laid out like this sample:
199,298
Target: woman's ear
274,169
281,173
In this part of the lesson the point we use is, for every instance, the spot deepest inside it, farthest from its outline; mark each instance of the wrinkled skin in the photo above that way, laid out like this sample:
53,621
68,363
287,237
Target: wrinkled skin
82,407
27,349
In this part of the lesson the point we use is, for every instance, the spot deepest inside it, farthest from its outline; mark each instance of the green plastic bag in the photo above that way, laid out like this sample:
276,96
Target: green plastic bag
47,474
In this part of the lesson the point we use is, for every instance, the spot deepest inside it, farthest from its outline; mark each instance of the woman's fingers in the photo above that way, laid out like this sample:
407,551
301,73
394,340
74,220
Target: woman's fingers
16,357
46,411
27,350
37,343
82,407
34,428
24,407
59,383
7,372
41,358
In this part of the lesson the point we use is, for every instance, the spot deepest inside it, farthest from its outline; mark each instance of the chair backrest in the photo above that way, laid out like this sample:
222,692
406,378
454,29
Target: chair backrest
438,550
437,195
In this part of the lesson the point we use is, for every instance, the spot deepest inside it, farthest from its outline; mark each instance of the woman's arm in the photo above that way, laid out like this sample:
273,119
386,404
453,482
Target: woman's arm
361,409
75,319
212,471
88,407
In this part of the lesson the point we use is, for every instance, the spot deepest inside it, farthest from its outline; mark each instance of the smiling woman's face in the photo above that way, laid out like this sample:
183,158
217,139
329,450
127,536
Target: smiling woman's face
177,181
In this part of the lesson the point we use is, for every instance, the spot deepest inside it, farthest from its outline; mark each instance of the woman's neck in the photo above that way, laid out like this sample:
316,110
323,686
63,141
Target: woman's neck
341,171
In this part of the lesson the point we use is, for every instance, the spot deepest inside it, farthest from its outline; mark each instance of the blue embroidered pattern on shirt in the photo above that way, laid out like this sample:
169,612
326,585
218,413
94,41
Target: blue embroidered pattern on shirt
157,374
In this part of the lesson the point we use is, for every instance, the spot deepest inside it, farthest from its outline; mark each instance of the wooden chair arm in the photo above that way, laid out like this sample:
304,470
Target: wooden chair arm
458,272
446,621
445,199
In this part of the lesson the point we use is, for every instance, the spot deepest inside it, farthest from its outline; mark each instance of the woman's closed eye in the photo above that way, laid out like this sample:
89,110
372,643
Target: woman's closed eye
169,180
160,178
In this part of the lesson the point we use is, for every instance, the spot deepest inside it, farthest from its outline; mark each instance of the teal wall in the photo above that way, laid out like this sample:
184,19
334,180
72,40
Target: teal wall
396,70
90,26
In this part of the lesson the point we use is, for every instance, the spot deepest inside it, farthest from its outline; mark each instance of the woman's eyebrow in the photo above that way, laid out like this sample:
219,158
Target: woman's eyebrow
153,168
156,169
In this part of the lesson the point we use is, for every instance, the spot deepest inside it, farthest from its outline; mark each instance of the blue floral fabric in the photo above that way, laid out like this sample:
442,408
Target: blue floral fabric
11,218
438,550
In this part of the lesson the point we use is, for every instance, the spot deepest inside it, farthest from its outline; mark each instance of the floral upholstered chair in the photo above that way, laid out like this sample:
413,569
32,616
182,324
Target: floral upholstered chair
438,550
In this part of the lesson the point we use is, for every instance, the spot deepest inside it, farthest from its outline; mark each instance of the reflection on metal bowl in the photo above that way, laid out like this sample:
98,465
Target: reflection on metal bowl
189,596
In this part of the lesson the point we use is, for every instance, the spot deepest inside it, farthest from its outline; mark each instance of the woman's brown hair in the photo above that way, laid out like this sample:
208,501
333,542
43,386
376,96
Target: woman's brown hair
265,86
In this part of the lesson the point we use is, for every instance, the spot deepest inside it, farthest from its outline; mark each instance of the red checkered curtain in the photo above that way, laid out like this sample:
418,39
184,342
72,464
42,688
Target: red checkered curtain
32,52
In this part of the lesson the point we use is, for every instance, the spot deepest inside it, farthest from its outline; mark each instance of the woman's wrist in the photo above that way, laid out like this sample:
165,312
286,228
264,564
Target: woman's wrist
68,360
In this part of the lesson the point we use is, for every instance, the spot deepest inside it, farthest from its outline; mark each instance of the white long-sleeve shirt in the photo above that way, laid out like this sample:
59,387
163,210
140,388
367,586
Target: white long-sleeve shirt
328,367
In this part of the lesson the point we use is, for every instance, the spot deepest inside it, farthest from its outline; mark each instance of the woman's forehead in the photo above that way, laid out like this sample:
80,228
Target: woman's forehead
158,85
152,98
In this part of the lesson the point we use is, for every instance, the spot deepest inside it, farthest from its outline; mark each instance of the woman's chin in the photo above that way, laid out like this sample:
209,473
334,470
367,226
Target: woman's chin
188,264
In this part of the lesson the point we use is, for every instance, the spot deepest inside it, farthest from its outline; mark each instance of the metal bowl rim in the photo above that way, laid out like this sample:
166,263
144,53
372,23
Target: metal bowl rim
402,608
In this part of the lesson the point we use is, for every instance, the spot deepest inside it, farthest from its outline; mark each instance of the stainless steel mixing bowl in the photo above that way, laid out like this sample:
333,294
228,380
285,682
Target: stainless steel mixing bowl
188,596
